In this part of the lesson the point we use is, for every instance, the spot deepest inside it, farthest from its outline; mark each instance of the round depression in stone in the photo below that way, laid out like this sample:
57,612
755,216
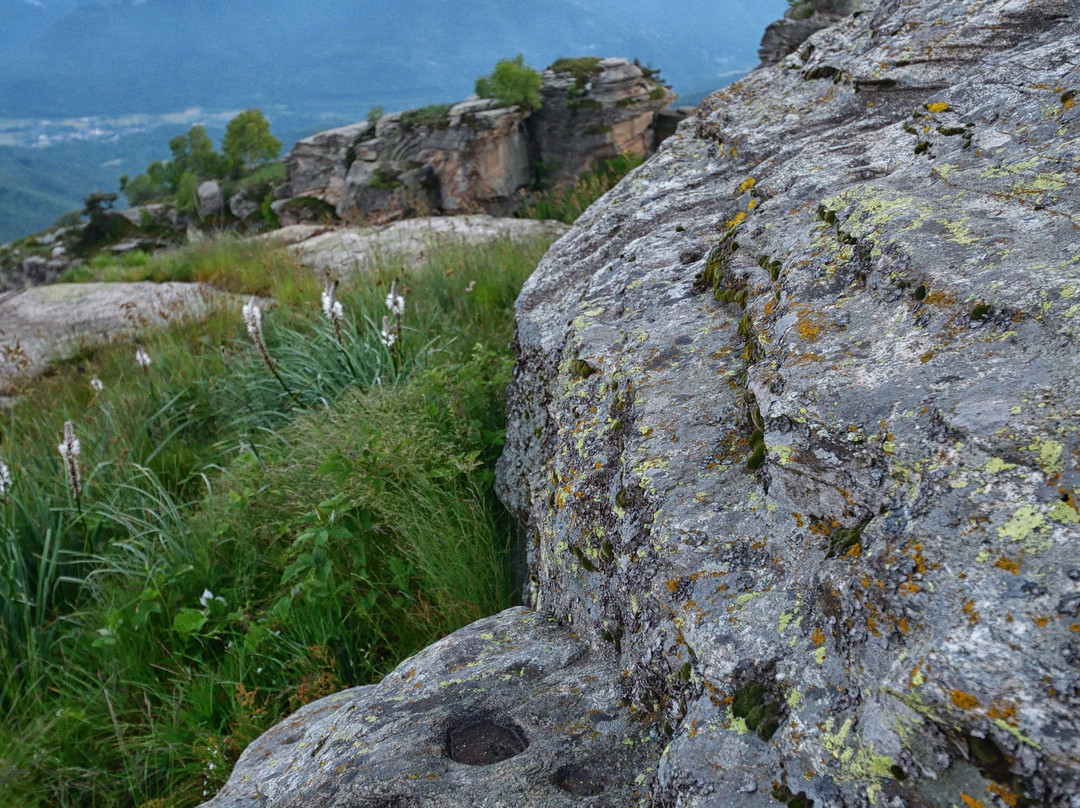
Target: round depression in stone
481,743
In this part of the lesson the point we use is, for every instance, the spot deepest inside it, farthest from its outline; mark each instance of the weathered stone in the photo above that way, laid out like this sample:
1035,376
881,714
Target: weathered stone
510,711
209,201
345,250
242,207
802,392
592,110
317,165
798,23
474,157
48,322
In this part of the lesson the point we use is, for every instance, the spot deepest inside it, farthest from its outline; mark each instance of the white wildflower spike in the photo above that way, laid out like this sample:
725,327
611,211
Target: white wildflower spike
253,320
331,306
97,385
388,335
5,479
142,357
69,449
470,287
395,301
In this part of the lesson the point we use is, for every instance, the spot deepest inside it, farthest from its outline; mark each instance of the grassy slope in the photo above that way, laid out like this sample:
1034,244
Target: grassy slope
340,526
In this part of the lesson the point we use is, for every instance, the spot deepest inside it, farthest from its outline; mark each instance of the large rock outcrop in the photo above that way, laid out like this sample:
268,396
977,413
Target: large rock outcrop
476,156
798,23
794,430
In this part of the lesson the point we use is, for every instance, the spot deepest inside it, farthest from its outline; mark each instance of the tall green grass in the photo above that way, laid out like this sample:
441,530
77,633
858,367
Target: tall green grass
338,526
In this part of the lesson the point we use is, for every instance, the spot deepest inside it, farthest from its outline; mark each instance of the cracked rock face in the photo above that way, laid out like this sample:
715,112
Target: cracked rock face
794,421
510,712
794,431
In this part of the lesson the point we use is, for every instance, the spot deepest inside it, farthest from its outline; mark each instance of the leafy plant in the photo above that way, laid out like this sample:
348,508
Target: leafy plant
512,83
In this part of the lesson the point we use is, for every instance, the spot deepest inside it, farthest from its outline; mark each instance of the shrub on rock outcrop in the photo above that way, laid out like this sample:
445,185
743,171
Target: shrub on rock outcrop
512,83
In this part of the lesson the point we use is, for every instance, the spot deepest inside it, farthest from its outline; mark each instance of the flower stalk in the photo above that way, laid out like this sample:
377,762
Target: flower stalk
253,320
70,449
331,307
391,330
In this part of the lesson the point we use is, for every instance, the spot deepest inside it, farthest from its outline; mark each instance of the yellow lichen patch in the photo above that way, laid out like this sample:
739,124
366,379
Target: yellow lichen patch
965,701
937,106
735,221
746,185
1050,452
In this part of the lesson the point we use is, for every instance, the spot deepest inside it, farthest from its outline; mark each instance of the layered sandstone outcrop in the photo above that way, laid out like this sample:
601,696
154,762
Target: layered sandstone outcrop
476,156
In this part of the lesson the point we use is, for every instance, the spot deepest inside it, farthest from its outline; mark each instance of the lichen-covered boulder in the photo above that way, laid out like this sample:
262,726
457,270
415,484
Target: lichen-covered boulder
795,414
510,712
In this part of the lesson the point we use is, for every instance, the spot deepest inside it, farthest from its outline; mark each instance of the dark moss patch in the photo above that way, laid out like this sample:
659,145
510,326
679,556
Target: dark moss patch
922,147
781,793
759,707
844,539
980,312
582,369
583,559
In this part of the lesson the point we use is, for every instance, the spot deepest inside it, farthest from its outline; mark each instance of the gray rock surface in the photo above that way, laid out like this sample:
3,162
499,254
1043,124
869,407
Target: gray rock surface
209,201
48,322
597,110
796,406
798,23
510,712
345,250
794,432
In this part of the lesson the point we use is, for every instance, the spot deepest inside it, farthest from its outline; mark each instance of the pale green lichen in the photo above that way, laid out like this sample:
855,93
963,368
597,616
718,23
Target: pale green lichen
858,760
997,465
1006,727
1064,513
819,655
1027,525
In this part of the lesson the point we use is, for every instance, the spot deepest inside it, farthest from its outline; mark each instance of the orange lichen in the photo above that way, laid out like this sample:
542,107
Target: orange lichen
1008,797
903,626
965,701
971,802
817,637
1008,565
969,610
1041,621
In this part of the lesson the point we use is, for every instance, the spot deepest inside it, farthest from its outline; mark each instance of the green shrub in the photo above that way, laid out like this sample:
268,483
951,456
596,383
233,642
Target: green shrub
433,116
566,204
512,83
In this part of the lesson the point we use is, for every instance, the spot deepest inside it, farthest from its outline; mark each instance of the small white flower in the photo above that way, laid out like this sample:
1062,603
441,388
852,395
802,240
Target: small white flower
142,357
470,287
388,336
394,301
253,319
96,384
5,479
207,596
70,447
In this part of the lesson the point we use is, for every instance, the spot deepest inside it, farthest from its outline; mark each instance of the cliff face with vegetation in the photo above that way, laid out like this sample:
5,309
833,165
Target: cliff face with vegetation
478,155
793,430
